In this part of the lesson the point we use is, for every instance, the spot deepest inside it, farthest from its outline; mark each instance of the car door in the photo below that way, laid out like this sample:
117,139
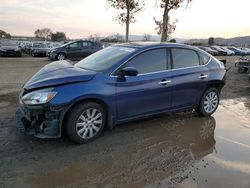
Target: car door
149,91
189,77
87,48
73,50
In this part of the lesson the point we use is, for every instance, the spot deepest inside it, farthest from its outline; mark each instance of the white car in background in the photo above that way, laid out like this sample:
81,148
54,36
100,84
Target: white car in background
229,52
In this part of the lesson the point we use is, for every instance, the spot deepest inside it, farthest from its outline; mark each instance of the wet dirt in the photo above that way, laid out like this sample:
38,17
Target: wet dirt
171,150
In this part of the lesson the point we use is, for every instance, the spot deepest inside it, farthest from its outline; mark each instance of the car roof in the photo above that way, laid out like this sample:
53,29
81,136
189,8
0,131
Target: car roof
80,40
145,45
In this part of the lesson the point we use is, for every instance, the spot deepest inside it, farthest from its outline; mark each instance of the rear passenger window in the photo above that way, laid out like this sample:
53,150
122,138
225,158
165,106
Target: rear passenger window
150,61
184,58
204,58
85,44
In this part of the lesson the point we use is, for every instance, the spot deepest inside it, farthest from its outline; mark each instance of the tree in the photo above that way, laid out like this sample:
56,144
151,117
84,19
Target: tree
44,33
211,41
173,41
4,34
146,37
113,38
58,36
129,8
165,27
159,26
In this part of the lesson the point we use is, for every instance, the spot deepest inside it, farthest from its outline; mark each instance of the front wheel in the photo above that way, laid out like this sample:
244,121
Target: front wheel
61,56
209,102
85,122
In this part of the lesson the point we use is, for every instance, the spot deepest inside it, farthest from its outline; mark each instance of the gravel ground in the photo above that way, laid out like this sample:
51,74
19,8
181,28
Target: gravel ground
173,150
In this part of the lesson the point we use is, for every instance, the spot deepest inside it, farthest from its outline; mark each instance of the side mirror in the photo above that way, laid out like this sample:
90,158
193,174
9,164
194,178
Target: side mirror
67,47
128,71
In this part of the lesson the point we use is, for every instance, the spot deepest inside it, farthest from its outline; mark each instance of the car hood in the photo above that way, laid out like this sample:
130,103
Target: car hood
56,48
58,73
9,48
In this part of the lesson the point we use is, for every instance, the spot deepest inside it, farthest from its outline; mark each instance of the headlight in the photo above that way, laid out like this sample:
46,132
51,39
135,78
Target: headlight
38,97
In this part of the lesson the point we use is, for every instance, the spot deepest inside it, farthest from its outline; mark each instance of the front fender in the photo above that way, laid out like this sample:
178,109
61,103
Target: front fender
70,95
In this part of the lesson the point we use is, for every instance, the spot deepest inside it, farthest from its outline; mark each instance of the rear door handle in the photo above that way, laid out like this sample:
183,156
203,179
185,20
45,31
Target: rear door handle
203,76
165,82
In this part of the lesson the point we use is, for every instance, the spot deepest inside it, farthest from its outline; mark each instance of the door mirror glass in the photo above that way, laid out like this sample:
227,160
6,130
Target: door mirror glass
128,71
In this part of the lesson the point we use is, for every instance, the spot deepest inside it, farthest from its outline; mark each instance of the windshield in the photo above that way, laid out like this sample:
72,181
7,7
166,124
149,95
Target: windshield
105,58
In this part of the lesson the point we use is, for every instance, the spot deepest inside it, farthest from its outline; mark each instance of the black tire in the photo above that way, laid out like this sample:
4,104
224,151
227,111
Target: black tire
203,109
61,56
242,69
73,118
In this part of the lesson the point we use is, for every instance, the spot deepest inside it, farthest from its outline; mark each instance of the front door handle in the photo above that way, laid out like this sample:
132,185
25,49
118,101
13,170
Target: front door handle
165,82
203,76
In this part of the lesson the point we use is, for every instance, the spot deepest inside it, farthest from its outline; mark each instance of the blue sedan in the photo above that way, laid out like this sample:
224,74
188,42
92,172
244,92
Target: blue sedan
119,84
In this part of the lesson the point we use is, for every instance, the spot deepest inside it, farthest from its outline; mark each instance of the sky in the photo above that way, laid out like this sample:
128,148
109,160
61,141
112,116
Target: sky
81,18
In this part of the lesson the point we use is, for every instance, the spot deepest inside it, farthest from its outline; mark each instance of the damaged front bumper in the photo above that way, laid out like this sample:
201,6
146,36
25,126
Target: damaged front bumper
40,121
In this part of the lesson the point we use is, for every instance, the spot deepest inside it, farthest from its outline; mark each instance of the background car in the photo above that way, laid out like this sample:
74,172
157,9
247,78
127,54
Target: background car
27,47
237,51
209,50
229,52
39,49
10,50
74,50
247,50
220,50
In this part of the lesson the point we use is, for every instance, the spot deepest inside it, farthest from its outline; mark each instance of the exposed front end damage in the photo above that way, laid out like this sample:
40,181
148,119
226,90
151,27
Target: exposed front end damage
39,121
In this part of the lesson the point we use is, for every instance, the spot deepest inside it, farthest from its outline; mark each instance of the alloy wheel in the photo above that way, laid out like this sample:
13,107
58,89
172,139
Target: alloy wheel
61,57
211,102
89,123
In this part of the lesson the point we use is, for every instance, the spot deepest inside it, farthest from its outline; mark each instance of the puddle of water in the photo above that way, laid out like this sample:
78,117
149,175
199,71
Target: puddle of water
181,150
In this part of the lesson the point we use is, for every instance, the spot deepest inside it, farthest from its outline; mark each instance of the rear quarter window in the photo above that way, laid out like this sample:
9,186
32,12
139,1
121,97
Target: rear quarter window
204,58
183,58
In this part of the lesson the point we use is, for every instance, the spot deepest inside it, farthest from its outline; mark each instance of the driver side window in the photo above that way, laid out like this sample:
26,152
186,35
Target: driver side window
149,61
75,45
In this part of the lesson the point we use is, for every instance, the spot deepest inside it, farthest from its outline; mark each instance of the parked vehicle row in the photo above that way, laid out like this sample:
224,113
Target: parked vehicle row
78,49
225,50
37,48
82,48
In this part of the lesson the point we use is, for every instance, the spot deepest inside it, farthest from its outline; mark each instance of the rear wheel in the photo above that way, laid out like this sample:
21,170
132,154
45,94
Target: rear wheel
209,102
85,122
242,69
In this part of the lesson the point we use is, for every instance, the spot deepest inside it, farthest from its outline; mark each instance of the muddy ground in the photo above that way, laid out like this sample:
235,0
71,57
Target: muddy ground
172,150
